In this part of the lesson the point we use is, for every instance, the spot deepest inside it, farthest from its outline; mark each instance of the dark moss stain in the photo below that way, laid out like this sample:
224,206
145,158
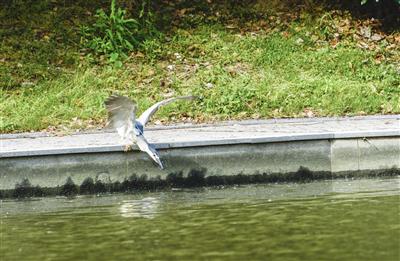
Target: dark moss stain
142,183
176,179
69,188
25,189
392,172
87,186
116,187
195,178
99,187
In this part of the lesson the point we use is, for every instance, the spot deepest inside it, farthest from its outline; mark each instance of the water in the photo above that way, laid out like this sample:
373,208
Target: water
326,220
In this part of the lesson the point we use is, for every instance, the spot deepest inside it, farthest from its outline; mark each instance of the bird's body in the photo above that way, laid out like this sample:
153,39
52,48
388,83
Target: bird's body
121,115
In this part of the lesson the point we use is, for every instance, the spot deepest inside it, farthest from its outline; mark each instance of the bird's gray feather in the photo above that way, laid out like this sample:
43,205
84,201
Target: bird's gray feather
146,115
121,114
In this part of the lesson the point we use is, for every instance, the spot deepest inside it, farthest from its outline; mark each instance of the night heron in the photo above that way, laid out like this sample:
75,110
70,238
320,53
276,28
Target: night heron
121,116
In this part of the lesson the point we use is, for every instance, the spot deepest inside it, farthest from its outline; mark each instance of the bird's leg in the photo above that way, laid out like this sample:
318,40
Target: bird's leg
128,144
128,147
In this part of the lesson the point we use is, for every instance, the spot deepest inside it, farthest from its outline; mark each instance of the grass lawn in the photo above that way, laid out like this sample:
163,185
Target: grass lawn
266,66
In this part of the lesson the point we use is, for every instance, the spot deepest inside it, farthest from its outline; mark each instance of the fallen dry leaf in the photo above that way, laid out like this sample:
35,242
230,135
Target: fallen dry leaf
376,37
366,32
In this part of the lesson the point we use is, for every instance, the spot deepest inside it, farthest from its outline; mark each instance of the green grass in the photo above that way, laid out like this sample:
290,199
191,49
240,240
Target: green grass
264,73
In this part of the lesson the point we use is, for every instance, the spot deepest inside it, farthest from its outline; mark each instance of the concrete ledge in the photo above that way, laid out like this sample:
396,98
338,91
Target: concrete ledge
265,150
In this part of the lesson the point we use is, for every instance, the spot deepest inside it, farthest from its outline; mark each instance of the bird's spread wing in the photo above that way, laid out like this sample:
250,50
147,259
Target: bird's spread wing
145,117
121,115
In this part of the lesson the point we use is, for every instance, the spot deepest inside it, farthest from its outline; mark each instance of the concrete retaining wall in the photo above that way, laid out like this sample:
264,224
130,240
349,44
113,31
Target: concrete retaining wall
263,161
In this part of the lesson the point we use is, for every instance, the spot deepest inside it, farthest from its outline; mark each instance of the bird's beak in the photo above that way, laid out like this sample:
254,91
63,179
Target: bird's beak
149,149
157,159
155,156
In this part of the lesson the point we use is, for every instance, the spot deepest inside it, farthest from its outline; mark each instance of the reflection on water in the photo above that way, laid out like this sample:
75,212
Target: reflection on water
145,208
325,220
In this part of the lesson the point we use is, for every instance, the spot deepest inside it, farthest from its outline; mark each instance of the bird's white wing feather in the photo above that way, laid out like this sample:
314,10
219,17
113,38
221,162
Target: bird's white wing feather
121,115
146,115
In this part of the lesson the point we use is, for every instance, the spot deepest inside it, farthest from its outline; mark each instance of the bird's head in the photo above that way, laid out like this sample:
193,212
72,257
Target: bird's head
151,150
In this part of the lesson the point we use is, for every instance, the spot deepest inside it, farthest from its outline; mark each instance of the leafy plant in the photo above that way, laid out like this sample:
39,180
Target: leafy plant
114,35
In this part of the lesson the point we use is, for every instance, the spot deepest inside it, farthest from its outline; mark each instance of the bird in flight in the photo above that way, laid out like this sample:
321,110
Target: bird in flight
121,116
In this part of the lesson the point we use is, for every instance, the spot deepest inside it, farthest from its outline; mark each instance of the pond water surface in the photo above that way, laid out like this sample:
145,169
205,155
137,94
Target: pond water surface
324,220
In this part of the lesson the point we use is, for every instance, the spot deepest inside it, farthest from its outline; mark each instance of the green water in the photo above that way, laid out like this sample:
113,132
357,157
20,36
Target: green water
327,220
